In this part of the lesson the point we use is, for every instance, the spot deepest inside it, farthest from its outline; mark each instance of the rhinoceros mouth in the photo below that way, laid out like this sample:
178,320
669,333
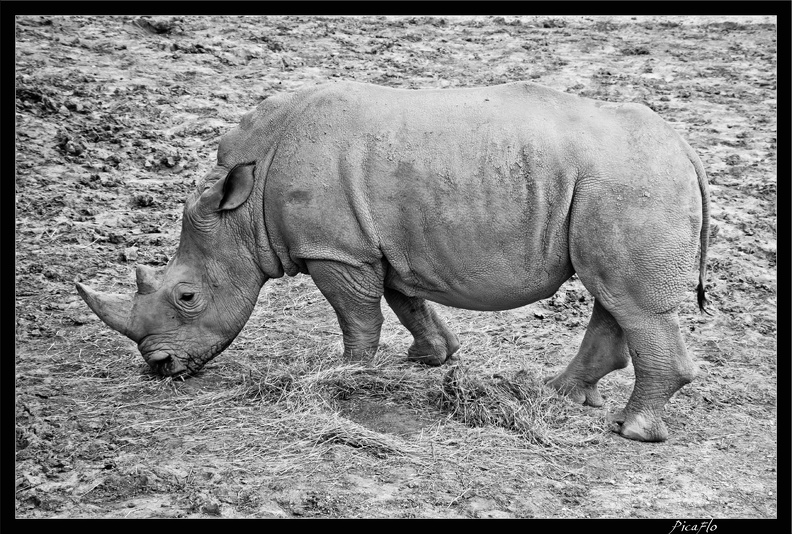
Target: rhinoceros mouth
179,363
169,365
161,361
166,365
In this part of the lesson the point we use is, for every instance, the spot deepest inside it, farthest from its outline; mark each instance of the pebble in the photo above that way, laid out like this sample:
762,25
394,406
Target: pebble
130,253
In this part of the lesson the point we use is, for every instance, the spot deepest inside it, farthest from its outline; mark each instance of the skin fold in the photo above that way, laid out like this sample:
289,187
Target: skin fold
483,198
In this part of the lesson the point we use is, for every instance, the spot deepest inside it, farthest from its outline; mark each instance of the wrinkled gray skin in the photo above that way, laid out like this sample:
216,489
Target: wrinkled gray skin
484,199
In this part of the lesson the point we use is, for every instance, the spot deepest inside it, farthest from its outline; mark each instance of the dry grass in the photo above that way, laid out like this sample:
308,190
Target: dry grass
339,430
518,403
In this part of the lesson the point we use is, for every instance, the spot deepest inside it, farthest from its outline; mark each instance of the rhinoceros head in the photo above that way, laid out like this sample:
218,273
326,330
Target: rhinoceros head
185,315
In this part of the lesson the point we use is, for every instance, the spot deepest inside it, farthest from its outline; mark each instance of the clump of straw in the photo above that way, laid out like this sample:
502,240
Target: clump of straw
518,402
339,430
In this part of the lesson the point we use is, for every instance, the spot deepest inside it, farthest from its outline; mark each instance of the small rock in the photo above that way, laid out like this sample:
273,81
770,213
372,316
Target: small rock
554,23
144,200
115,238
635,51
75,148
212,508
155,25
114,160
129,254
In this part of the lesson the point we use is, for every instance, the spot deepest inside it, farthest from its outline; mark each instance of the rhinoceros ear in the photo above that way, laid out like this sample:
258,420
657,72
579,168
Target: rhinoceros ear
237,186
232,191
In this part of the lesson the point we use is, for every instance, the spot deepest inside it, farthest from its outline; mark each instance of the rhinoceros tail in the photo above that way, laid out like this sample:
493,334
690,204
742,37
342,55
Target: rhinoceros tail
705,229
702,299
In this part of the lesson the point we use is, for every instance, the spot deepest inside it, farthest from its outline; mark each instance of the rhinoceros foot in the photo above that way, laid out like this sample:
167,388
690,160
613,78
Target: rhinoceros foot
434,351
640,426
576,390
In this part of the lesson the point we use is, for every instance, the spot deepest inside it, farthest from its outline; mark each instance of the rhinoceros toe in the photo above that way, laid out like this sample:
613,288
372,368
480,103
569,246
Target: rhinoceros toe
436,351
576,390
644,426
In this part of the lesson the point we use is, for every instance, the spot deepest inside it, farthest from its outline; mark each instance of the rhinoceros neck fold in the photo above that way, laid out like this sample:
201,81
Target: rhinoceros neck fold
267,260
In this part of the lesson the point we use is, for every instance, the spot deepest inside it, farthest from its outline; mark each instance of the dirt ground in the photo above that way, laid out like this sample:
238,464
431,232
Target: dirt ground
116,117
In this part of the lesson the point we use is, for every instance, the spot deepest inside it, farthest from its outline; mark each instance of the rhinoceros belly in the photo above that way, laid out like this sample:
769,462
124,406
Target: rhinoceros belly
480,239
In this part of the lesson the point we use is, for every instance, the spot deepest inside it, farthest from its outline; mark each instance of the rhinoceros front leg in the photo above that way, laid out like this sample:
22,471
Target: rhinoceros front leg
604,349
355,294
434,343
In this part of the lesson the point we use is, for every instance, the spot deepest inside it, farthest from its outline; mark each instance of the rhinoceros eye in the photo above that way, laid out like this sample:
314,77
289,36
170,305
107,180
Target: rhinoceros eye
186,297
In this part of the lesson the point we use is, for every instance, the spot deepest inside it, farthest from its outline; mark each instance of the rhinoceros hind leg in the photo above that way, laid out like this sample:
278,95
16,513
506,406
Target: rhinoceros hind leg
662,366
434,343
355,294
604,349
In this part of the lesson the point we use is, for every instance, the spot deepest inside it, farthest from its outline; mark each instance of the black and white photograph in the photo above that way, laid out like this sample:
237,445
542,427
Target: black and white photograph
396,266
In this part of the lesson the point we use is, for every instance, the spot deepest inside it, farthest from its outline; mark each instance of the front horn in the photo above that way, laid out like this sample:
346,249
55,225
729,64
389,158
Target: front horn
114,310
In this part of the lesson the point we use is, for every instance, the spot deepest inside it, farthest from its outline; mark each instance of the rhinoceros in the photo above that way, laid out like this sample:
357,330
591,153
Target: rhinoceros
479,198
